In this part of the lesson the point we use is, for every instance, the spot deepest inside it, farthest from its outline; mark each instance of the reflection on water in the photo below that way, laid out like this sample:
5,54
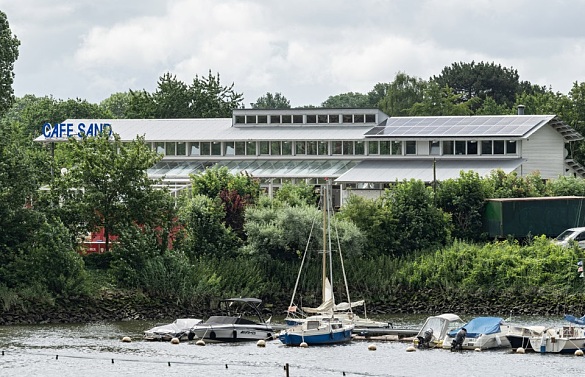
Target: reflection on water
96,350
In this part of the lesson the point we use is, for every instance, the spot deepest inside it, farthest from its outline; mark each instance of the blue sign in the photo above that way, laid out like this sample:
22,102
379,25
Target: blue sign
67,130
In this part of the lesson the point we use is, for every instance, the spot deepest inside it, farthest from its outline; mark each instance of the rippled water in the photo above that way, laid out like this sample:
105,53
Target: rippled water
97,350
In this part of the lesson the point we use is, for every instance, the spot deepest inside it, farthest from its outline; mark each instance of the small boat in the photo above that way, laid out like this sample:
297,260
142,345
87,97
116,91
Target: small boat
243,322
562,339
435,328
325,326
179,329
519,336
481,333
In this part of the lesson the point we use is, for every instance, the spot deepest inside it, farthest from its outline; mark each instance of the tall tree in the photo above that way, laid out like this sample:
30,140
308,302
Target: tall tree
349,100
210,99
439,101
8,55
271,101
402,94
116,105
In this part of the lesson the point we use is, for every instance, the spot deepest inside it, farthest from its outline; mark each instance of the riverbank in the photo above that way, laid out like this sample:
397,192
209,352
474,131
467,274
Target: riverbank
127,305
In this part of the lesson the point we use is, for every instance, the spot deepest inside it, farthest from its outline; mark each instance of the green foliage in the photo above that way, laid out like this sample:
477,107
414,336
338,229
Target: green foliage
438,101
502,185
116,105
9,47
297,195
401,94
349,100
271,101
566,186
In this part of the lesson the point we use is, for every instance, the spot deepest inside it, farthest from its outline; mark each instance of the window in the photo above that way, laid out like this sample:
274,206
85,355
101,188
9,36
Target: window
434,148
159,147
459,147
264,148
250,148
334,118
498,146
181,148
275,148
229,148
323,148
194,149
287,148
337,147
472,147
297,118
262,119
240,148
286,119
359,147
311,147
240,119
347,118
205,149
410,147
300,147
275,119
397,147
385,147
359,118
311,118
216,148
373,147
322,119
448,147
486,147
511,147
348,147
251,119
370,118
170,148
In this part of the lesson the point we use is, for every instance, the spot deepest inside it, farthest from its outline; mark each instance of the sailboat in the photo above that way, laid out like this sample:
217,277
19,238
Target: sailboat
325,326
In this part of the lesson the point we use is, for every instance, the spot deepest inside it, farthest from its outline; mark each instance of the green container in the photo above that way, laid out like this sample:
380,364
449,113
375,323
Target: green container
521,217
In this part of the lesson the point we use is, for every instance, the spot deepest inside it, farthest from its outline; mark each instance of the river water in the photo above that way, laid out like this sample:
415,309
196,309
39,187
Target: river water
97,350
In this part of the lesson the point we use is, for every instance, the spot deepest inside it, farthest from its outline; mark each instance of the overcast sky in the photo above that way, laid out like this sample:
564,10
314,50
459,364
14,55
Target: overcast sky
307,50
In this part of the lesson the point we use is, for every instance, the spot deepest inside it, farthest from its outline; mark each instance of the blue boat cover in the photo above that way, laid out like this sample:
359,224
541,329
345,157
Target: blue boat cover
573,319
480,325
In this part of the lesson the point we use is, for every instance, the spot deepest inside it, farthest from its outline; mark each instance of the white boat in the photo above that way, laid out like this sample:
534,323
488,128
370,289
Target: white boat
481,333
325,326
179,329
519,335
435,328
243,322
562,339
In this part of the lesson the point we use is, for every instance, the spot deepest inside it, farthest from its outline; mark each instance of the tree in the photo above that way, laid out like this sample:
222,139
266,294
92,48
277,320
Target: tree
104,184
402,94
349,100
439,101
480,80
116,105
297,194
212,100
9,54
271,101
172,98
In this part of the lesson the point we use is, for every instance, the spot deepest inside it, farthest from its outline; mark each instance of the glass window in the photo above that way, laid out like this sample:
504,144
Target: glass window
337,147
311,147
311,118
434,148
370,118
275,119
359,147
334,118
275,148
486,147
216,148
385,147
373,147
194,149
240,147
359,118
240,119
498,146
286,119
347,118
397,147
459,147
511,147
205,149
251,119
297,118
472,147
264,147
170,148
410,147
448,147
159,147
250,148
322,118
229,148
181,148
323,148
348,147
262,119
287,148
300,147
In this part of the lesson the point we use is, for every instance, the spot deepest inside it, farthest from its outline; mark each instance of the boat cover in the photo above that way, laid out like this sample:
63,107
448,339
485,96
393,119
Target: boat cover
480,325
573,319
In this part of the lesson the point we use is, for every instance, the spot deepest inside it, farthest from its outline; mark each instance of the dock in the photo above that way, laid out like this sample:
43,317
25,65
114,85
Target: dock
387,334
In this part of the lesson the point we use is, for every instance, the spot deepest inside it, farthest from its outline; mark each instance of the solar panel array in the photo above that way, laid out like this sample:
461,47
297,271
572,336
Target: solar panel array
459,126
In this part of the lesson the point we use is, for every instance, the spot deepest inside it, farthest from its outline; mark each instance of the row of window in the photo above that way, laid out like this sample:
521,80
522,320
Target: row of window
306,119
326,148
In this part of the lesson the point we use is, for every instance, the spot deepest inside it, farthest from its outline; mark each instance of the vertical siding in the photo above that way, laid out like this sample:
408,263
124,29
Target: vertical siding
544,151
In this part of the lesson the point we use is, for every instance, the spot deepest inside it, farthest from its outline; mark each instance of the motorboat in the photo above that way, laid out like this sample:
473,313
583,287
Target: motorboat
243,321
179,329
519,336
325,325
561,339
435,328
481,333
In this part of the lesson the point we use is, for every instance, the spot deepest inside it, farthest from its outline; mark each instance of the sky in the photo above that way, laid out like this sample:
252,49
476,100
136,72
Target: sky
307,50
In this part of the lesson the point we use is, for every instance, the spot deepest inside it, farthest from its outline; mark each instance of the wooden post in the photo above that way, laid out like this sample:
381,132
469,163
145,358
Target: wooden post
286,370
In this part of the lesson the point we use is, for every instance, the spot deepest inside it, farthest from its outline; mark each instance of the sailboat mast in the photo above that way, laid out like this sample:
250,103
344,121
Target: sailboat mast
324,274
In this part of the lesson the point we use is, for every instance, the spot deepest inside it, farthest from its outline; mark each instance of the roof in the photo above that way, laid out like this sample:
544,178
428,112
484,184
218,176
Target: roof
477,126
374,171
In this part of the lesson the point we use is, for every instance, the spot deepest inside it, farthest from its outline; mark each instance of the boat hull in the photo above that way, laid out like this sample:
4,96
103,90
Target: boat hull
567,339
294,338
232,333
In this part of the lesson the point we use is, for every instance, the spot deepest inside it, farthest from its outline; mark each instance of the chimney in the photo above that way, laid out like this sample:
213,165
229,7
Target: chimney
520,109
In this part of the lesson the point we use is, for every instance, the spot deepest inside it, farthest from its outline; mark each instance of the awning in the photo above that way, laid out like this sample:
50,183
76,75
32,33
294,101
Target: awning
384,171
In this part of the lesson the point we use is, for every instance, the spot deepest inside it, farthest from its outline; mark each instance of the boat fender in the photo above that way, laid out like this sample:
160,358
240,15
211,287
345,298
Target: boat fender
579,352
520,350
234,334
212,335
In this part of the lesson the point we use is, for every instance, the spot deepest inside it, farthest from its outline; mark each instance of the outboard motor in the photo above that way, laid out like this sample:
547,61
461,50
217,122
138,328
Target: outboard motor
424,341
457,343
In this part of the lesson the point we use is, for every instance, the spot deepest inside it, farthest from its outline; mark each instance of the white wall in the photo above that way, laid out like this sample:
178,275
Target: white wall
544,151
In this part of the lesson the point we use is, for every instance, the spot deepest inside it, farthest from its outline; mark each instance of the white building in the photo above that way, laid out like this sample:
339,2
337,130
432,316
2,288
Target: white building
358,149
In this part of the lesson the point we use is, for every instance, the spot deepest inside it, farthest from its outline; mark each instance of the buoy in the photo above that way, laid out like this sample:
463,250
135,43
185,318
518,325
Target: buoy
579,352
175,341
126,339
410,349
520,350
303,345
477,350
261,343
200,342
372,347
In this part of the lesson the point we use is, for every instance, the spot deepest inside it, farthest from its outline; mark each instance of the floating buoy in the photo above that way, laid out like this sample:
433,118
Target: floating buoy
303,345
520,350
410,349
200,342
372,347
126,339
477,350
175,341
579,352
261,343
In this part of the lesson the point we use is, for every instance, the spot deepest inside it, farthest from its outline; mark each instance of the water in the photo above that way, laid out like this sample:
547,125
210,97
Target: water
96,350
